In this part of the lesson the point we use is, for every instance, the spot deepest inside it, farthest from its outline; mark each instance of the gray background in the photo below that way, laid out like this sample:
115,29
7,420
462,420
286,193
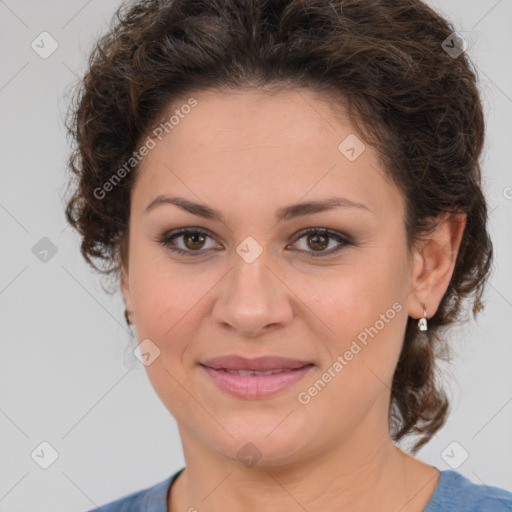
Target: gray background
67,375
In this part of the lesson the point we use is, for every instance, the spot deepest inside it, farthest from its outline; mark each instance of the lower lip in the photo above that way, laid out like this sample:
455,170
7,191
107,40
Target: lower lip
256,386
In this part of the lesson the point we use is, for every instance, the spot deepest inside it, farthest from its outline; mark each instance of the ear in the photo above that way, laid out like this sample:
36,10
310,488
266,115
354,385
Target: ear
434,262
125,280
125,286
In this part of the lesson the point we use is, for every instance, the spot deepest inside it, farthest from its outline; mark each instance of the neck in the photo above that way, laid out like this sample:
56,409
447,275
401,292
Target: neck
357,475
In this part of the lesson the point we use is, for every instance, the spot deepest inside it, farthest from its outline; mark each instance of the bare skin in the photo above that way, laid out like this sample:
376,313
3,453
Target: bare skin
248,154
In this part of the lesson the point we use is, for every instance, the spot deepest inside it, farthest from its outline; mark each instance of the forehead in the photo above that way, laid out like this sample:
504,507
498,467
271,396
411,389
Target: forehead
227,118
282,145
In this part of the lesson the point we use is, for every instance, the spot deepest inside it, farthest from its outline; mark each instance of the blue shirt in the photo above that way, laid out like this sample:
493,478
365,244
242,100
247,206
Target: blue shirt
454,493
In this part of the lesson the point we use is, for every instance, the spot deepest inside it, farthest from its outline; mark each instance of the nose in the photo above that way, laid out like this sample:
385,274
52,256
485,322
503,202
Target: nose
253,300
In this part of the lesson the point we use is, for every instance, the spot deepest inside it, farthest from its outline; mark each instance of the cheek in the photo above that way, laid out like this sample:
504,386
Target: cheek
170,301
167,303
353,297
163,301
364,308
360,357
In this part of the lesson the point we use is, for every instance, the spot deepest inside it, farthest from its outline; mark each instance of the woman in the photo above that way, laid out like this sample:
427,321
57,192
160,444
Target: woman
290,196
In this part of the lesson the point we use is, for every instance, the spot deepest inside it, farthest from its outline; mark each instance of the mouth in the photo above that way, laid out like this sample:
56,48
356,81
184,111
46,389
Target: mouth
255,378
246,373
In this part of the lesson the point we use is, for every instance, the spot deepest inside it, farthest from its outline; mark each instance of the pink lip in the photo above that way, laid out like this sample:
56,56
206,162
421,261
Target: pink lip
255,386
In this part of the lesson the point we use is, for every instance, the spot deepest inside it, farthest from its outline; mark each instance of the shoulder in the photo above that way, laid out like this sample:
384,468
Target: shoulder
151,499
456,492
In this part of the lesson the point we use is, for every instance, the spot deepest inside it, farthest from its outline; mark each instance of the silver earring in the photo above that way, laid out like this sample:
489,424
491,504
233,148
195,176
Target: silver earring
422,322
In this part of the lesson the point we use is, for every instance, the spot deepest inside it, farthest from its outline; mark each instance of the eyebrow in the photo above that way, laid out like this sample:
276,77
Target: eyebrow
285,213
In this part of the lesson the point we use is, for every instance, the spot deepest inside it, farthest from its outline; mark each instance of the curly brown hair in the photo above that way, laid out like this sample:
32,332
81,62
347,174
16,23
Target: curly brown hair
382,60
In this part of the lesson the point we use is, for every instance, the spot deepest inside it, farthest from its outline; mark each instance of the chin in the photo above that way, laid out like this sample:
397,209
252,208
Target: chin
260,443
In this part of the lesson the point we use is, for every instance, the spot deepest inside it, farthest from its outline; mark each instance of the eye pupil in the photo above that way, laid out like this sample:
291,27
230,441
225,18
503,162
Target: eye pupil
318,242
194,237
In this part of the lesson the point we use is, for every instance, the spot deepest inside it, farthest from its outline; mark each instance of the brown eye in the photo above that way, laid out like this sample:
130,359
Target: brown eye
194,241
188,241
318,242
315,242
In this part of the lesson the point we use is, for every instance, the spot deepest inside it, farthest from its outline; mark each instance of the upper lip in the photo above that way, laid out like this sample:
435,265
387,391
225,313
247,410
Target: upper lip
234,362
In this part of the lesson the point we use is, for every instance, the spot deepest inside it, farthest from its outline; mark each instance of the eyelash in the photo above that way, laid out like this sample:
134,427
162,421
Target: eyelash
167,238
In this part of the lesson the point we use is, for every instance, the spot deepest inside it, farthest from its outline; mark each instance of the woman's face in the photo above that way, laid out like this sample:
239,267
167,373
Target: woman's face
255,283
